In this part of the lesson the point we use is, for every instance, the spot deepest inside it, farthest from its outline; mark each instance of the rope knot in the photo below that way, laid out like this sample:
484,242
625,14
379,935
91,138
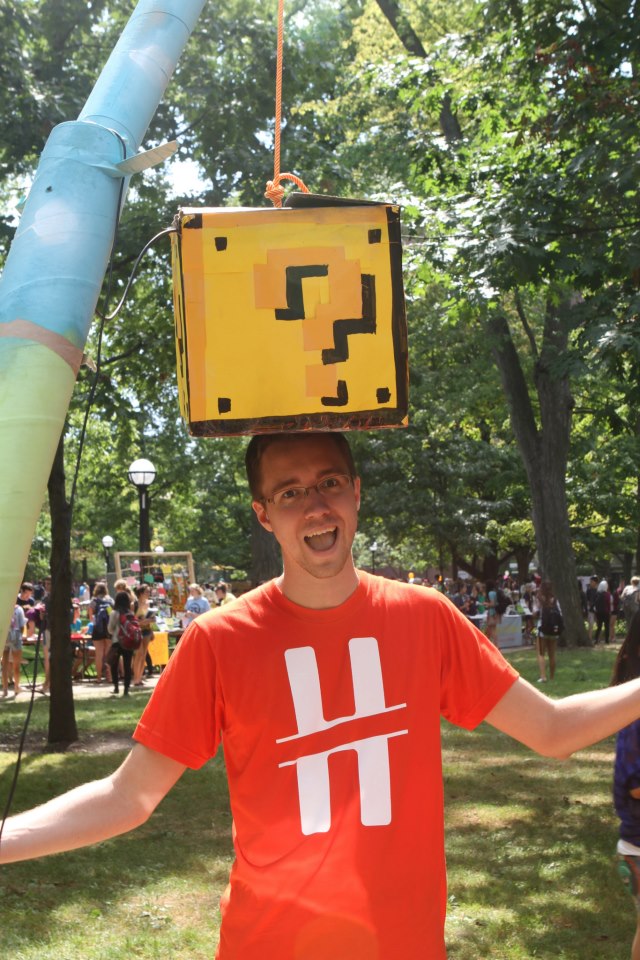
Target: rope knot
275,192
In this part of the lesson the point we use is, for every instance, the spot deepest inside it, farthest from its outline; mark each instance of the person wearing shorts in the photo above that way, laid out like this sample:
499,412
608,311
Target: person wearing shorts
549,629
13,651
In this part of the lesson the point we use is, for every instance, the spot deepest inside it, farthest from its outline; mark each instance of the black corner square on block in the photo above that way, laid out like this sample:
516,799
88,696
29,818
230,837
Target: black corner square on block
221,243
375,236
224,404
383,395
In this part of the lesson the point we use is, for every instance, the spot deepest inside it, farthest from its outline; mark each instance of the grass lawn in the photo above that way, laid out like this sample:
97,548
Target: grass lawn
530,847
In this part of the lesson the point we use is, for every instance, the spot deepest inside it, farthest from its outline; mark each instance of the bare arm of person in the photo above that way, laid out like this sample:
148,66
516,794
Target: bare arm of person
557,728
94,811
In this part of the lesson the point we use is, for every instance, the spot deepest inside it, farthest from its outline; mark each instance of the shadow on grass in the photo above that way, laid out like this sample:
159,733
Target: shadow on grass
531,852
185,850
117,715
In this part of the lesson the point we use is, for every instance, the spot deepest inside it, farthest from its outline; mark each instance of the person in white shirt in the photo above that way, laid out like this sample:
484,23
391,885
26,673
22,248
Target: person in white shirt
197,602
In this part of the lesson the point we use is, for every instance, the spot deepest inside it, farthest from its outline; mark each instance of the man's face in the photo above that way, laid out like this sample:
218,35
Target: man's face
316,532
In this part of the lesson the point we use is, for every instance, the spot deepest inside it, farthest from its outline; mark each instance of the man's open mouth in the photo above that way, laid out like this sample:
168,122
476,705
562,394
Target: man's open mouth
322,539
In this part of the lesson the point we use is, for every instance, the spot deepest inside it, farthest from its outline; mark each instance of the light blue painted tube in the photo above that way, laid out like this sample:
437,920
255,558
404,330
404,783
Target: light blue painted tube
55,267
141,64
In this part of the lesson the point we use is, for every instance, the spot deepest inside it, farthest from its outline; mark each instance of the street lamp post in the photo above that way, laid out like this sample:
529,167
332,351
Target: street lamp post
141,474
374,550
107,543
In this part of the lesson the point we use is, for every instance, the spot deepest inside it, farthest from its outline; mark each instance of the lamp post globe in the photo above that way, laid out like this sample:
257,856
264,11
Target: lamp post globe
141,474
107,543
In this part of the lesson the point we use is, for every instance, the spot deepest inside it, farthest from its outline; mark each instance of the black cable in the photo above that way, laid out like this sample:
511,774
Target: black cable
23,737
103,318
112,316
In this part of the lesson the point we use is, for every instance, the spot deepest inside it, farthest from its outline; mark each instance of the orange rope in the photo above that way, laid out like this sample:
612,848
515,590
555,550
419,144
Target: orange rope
274,191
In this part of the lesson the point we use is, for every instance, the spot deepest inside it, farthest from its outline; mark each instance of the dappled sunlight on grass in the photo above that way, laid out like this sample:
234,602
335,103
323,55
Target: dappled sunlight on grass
150,894
531,842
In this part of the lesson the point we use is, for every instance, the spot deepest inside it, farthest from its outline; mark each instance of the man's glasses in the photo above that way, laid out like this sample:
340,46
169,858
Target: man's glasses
293,496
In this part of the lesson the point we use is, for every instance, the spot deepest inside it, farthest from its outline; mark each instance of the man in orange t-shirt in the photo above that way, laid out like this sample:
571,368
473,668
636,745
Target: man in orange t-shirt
326,687
330,720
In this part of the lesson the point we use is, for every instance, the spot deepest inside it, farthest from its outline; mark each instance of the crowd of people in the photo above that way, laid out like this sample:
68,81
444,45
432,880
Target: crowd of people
604,607
484,603
96,619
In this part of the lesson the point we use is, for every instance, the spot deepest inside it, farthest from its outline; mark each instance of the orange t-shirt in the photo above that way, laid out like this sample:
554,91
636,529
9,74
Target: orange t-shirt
330,721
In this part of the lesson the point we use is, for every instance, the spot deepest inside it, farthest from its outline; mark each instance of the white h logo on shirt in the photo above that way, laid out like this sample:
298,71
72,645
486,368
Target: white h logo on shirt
372,752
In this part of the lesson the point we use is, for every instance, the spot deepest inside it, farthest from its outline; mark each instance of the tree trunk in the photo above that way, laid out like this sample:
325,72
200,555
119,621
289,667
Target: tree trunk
544,452
480,568
265,554
403,29
62,719
523,557
413,45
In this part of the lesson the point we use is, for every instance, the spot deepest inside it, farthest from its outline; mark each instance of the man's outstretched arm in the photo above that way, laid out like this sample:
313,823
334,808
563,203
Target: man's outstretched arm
557,728
94,811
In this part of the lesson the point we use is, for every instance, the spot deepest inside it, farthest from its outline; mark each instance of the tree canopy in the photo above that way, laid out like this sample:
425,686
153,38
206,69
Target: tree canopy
508,133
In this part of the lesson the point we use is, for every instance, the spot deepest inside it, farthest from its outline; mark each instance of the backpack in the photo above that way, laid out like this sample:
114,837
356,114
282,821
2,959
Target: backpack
551,622
129,632
602,604
502,601
101,621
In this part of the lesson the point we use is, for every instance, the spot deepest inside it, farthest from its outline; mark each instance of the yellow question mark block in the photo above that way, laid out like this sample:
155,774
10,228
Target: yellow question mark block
290,319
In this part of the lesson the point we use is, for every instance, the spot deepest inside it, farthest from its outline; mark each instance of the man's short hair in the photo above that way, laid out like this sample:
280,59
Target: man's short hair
261,442
25,586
